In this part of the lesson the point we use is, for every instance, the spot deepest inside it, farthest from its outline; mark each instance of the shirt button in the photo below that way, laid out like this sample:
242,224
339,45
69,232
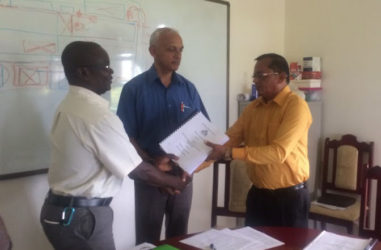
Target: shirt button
169,105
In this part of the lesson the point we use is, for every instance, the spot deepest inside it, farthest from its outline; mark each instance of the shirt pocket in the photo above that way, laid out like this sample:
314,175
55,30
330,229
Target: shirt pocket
187,110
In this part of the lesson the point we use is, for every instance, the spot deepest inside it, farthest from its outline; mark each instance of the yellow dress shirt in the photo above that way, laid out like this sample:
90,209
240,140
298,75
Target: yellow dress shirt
275,136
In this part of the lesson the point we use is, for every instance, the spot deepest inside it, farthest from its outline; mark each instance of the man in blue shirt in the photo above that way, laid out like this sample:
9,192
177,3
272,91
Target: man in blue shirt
153,105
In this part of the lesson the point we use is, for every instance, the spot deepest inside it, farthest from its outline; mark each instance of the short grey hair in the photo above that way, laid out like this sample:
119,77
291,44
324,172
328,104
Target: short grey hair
158,32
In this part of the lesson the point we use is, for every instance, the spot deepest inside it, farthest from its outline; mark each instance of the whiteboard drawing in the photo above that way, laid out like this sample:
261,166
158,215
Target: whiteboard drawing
30,75
32,46
33,34
32,37
4,75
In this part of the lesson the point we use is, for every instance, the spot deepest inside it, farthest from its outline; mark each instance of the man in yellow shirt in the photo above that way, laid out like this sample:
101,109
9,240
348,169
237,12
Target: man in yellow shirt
274,131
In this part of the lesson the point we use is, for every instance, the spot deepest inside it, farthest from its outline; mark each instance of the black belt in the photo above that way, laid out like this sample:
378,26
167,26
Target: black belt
292,188
73,201
296,187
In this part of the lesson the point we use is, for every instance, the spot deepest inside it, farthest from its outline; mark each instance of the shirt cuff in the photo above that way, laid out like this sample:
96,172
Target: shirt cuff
239,153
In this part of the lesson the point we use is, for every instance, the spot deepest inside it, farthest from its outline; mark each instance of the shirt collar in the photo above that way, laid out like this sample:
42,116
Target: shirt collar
279,99
88,94
153,76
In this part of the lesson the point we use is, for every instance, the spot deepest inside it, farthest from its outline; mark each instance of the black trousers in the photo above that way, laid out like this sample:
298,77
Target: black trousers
90,228
150,207
287,207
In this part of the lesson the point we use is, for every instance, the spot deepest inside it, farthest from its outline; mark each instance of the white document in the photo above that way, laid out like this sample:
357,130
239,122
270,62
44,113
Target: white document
226,239
143,246
216,239
188,142
331,241
259,240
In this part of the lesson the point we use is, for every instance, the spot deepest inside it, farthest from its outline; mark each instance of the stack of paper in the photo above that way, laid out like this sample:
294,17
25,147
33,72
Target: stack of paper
330,241
240,239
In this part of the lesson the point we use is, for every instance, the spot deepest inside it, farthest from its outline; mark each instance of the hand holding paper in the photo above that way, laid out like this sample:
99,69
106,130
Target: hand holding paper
164,163
188,142
218,151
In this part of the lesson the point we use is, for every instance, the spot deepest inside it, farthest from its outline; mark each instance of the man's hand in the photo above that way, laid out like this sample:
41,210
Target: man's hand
151,175
218,151
185,179
164,163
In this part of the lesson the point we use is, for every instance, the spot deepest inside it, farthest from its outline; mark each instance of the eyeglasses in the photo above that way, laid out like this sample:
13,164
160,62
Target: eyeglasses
260,76
97,66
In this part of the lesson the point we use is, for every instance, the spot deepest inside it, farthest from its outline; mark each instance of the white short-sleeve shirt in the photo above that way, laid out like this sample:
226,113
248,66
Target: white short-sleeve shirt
91,152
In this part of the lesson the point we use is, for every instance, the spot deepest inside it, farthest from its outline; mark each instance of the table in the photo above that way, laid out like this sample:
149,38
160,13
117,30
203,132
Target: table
294,238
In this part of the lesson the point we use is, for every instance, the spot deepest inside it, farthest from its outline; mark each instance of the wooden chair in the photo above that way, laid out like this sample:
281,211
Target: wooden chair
344,167
370,216
237,184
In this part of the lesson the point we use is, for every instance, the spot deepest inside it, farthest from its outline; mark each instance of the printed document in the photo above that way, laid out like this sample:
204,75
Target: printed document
242,239
331,241
188,142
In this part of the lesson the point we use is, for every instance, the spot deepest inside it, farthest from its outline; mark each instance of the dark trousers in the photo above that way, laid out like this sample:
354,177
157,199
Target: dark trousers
90,228
287,207
150,207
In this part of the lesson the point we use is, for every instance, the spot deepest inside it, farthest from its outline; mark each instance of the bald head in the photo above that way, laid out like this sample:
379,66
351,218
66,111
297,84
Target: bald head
155,36
166,47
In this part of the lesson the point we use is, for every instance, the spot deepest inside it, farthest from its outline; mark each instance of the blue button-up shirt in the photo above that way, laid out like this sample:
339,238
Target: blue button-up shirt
150,111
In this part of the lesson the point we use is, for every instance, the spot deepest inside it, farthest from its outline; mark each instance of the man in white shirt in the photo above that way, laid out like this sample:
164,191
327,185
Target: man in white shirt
91,155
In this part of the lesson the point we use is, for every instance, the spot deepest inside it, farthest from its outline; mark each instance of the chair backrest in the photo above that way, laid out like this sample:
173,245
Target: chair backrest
370,215
345,163
237,184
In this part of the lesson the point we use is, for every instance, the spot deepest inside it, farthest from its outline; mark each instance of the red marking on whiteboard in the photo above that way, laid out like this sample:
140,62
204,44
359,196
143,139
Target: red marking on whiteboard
77,22
35,46
136,14
30,75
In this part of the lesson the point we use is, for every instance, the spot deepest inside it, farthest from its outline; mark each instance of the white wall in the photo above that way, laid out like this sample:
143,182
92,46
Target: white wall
256,27
346,34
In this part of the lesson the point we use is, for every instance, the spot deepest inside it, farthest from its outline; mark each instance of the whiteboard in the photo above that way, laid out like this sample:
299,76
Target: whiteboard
34,33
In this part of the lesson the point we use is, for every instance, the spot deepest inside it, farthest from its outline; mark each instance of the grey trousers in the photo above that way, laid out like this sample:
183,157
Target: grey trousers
90,228
151,205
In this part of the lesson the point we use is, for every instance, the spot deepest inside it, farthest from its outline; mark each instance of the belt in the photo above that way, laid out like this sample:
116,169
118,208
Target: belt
296,187
76,201
292,188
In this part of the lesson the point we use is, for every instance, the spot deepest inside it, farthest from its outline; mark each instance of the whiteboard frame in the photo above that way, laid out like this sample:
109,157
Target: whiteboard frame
227,4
